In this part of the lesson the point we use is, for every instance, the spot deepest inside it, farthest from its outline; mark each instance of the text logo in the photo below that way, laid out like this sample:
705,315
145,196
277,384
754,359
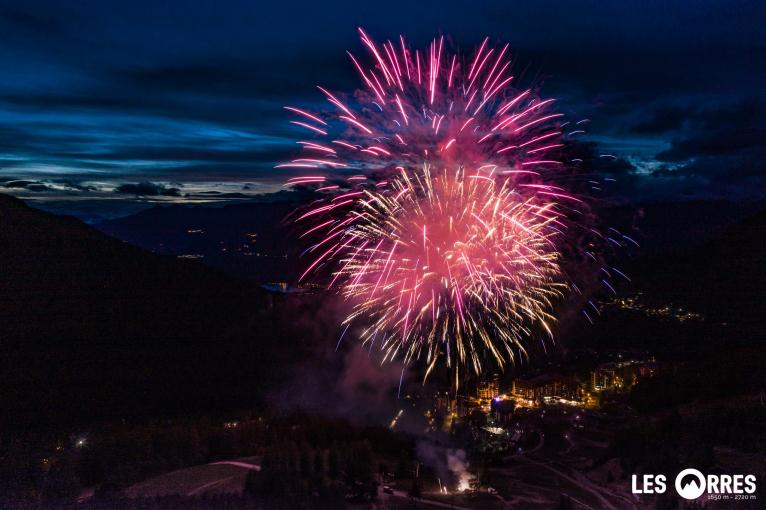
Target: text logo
691,484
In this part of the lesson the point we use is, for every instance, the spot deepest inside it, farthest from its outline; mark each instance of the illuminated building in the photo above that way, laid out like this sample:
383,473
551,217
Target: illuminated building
488,389
621,375
502,410
605,377
465,406
542,386
444,404
647,370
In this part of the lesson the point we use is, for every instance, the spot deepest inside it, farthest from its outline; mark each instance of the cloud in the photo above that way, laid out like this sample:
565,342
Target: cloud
602,164
16,183
739,174
147,189
217,195
253,153
27,22
238,77
36,186
120,93
661,120
55,185
719,131
715,151
75,185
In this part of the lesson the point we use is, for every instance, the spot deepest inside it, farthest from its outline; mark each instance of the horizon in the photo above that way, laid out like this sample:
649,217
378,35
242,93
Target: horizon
106,116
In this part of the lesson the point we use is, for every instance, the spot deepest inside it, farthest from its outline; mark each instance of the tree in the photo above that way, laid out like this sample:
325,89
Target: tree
360,471
20,475
62,482
306,461
333,462
320,468
403,465
415,491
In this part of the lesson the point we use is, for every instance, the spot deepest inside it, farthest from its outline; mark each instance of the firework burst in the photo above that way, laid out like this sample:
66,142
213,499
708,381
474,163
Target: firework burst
444,205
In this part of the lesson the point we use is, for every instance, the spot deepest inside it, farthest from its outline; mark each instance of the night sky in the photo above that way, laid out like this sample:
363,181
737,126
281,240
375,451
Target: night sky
106,106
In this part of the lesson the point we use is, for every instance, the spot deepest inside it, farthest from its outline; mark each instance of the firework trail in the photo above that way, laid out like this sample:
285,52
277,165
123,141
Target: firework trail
449,239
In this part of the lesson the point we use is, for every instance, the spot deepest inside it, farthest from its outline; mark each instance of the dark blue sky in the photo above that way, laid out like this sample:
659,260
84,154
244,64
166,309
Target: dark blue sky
101,102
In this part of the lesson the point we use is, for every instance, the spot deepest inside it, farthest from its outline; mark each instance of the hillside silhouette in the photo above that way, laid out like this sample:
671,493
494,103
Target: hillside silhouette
722,277
250,240
94,328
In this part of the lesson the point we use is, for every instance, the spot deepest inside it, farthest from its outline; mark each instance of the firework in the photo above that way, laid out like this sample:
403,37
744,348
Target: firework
444,205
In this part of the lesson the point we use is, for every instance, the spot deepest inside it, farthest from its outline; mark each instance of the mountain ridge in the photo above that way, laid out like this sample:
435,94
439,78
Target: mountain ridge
93,328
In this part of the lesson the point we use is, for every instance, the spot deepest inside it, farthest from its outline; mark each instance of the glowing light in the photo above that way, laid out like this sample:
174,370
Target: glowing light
450,246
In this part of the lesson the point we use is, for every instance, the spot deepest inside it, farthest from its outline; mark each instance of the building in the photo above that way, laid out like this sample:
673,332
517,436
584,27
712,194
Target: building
605,377
618,376
444,404
465,406
502,410
489,388
647,370
551,386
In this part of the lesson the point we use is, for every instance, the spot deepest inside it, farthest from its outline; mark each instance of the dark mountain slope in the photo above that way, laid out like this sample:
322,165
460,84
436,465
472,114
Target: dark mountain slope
724,278
255,240
248,240
92,328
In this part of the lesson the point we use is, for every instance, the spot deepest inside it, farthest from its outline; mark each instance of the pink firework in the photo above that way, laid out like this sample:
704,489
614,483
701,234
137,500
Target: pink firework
442,215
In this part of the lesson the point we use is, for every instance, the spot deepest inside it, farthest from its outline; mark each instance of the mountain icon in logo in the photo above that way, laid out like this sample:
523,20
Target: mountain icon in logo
690,483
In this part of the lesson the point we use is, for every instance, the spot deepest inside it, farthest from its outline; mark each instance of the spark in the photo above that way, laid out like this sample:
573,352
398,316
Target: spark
449,245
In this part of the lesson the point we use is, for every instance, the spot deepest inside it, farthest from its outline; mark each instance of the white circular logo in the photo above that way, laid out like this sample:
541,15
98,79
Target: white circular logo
690,483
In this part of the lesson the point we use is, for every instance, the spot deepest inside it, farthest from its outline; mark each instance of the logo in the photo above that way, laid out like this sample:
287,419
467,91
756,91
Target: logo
690,483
